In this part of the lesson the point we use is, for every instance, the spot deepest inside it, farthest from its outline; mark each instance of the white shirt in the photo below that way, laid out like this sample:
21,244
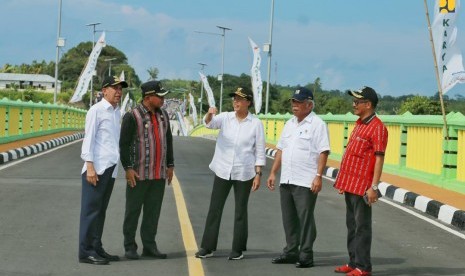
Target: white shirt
101,140
239,148
301,145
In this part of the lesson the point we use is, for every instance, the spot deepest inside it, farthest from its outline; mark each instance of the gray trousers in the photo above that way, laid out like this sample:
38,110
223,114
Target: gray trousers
359,233
220,192
297,206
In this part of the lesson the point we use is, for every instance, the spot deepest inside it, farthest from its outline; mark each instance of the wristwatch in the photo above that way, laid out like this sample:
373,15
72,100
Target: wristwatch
374,187
258,173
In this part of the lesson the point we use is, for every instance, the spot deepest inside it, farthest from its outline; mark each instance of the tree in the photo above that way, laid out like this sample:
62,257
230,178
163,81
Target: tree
335,105
74,61
420,105
7,68
317,85
153,73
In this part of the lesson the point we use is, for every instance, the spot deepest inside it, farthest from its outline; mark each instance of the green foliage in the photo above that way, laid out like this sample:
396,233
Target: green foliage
153,73
27,95
333,101
420,105
34,68
64,97
73,62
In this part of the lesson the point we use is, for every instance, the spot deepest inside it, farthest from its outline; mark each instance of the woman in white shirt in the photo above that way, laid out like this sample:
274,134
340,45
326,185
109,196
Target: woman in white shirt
237,162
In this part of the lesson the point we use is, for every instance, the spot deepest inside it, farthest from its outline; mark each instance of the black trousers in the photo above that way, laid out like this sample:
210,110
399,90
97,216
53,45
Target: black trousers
297,207
94,203
147,195
358,221
220,192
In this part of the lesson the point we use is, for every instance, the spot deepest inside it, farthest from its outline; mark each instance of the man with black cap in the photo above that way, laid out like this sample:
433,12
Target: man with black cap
358,176
100,154
237,163
302,154
146,148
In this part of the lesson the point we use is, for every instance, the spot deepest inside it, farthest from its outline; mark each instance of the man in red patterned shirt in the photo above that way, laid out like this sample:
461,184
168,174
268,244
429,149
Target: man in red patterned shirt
358,176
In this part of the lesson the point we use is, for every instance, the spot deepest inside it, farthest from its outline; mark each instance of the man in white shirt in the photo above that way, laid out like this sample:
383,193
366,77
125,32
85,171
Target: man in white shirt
100,152
302,153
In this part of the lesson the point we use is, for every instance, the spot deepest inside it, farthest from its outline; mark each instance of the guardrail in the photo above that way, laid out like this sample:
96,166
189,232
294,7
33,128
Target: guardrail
21,120
417,146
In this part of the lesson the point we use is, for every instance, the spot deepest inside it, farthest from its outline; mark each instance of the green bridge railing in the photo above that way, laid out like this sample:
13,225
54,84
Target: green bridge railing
417,146
22,120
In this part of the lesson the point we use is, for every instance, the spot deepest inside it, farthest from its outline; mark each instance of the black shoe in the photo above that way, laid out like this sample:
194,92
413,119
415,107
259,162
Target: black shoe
285,259
131,254
236,255
105,255
94,260
153,253
304,263
204,253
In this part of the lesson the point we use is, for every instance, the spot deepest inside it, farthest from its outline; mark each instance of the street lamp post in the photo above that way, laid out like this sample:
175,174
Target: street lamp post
93,44
221,78
109,68
59,44
267,98
201,91
224,29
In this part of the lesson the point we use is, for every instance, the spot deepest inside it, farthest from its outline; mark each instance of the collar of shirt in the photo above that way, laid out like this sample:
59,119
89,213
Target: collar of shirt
107,105
232,115
307,119
145,110
367,120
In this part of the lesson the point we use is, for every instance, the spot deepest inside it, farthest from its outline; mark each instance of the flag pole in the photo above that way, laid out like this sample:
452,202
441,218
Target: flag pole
437,72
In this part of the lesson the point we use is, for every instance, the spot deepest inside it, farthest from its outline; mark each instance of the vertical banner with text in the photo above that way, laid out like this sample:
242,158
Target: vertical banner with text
448,55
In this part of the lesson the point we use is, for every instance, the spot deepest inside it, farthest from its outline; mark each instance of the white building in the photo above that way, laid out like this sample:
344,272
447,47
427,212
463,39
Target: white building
40,82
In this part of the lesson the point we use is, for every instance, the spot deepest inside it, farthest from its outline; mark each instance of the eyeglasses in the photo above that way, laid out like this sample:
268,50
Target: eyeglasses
357,102
238,99
116,87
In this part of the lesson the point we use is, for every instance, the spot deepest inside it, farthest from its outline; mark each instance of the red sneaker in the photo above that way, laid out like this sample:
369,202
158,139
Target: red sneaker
343,269
359,272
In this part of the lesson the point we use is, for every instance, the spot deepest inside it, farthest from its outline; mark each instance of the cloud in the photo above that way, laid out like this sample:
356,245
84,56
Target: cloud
343,53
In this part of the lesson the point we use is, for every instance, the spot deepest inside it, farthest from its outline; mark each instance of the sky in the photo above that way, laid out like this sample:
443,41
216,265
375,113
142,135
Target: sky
384,44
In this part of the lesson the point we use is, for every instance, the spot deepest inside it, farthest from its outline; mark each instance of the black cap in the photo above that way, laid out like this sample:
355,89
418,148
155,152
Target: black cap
153,87
243,93
301,94
113,80
365,93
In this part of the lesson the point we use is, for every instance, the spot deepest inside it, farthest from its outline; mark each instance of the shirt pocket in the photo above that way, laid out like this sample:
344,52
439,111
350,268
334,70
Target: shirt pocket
361,146
304,142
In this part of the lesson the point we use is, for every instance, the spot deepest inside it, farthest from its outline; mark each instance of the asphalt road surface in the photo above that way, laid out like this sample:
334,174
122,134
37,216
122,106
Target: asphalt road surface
39,220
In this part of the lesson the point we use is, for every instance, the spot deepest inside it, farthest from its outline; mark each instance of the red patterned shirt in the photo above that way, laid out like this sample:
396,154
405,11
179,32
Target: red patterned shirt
368,139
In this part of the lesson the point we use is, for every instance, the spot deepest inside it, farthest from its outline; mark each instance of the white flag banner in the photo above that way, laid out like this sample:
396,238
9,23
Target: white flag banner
448,55
121,76
206,86
182,124
257,84
193,109
87,73
127,104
